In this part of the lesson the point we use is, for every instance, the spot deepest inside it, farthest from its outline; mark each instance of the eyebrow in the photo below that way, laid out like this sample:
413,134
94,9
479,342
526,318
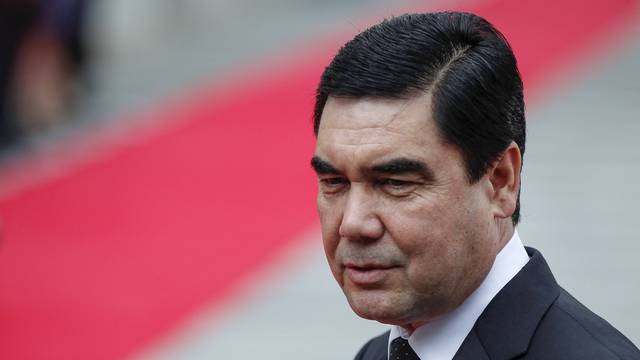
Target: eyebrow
404,166
393,166
322,166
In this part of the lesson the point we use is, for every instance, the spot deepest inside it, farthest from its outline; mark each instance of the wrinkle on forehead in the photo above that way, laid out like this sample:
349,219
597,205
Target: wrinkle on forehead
362,121
369,112
360,137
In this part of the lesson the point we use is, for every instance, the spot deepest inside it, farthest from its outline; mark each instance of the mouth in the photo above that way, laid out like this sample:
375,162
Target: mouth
367,274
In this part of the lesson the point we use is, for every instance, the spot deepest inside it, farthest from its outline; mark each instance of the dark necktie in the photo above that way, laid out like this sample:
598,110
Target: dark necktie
401,350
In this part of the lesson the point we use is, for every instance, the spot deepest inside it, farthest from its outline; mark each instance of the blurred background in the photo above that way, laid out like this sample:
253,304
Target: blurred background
155,196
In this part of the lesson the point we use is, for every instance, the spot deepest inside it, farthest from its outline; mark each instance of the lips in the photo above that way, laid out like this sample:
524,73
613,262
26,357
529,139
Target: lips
367,274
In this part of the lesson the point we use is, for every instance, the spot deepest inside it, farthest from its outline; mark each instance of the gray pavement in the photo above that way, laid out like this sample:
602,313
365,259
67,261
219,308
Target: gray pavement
580,192
146,50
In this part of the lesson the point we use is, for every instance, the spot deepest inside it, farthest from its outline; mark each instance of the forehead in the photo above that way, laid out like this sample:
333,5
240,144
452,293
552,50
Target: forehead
371,129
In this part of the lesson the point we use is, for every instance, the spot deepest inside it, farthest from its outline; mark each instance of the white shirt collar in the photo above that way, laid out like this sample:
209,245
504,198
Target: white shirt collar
441,338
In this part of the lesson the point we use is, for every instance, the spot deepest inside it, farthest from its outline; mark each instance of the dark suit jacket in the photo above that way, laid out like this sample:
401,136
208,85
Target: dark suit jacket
532,317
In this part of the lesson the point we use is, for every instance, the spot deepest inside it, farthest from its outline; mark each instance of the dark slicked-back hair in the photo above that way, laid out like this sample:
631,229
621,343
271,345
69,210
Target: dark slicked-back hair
460,58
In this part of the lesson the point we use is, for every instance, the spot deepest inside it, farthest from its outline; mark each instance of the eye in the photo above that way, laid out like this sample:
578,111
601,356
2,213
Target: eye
396,183
333,184
397,187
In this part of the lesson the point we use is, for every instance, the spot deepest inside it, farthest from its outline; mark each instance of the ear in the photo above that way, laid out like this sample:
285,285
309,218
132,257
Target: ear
505,179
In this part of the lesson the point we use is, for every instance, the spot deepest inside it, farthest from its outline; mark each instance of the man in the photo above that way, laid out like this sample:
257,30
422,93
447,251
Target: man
420,135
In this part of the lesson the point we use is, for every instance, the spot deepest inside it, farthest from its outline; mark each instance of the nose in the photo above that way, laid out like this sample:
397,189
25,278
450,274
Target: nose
359,219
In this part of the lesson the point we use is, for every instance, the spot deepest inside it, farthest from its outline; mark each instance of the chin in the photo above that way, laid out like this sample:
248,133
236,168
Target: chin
375,305
393,308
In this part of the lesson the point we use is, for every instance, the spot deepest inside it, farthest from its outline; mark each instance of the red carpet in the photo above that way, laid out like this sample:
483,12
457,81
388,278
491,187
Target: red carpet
101,261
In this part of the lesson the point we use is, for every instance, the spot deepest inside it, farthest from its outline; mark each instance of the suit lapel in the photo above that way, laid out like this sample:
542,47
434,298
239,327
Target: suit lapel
506,326
376,349
471,349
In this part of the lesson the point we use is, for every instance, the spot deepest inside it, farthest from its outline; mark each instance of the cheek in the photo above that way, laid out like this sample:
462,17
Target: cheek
432,232
330,218
416,225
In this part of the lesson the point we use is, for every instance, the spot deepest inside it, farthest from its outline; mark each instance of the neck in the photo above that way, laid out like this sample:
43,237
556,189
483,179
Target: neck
505,232
410,328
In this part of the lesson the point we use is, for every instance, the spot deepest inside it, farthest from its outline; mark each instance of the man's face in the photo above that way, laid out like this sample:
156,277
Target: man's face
407,237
